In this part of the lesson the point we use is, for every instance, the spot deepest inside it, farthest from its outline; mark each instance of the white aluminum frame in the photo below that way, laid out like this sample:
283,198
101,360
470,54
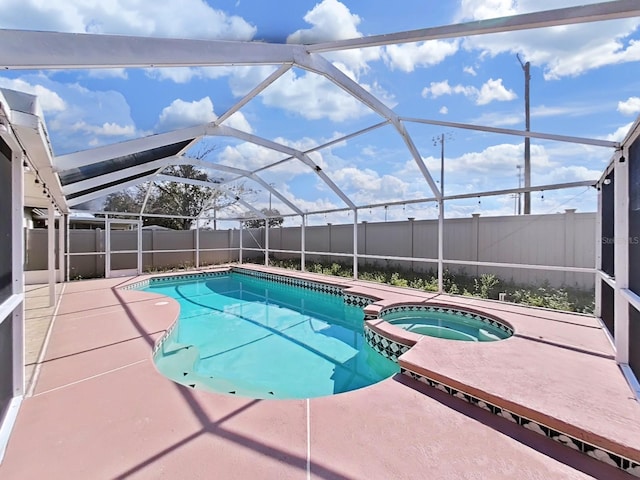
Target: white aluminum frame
12,309
108,272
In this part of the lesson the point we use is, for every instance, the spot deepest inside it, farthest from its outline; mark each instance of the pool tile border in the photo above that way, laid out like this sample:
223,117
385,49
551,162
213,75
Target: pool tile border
570,441
296,282
383,345
163,339
441,309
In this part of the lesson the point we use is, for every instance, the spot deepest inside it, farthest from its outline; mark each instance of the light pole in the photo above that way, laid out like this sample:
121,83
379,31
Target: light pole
527,140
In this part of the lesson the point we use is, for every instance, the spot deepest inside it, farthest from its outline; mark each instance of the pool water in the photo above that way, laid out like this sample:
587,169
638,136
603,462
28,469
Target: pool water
246,336
451,326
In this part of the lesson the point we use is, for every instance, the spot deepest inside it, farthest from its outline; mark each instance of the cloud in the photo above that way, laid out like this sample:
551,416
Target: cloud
186,19
443,110
494,162
620,133
107,129
108,73
182,113
407,57
332,20
569,173
630,106
313,97
561,51
239,122
186,74
77,117
492,90
306,94
470,70
49,100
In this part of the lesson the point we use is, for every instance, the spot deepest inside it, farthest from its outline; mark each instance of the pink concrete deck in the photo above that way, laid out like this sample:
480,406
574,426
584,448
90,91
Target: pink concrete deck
101,410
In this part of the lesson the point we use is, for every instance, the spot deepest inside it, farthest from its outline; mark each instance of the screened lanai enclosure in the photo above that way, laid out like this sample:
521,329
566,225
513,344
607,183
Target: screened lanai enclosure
222,191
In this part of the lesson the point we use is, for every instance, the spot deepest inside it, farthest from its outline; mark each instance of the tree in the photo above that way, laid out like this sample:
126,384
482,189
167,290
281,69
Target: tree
275,221
176,198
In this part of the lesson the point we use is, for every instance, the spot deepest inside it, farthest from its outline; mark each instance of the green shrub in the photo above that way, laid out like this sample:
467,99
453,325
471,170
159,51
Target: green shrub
461,283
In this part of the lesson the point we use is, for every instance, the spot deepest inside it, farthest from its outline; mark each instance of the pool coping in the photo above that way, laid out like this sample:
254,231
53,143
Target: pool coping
374,300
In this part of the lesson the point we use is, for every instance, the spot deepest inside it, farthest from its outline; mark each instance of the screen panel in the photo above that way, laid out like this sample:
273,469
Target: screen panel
634,340
634,215
6,364
607,232
606,307
6,274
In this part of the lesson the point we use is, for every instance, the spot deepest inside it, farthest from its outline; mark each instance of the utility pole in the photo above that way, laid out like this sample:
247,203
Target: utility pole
519,167
527,140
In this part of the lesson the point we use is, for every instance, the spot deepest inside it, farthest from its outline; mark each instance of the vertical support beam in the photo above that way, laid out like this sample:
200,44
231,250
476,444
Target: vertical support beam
303,244
198,244
68,248
621,255
107,247
441,221
240,243
61,236
17,220
266,242
17,259
598,265
355,243
51,253
440,246
139,247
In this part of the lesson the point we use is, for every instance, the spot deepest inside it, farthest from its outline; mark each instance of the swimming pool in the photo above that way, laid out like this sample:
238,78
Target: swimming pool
247,336
448,323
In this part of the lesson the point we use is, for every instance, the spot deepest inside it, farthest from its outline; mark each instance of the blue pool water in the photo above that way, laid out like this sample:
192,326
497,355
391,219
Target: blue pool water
246,336
448,325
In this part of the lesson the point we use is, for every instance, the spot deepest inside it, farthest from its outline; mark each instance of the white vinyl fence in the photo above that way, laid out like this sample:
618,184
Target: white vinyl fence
557,240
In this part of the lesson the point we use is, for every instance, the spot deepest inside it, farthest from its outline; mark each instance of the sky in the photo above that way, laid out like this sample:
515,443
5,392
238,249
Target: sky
585,82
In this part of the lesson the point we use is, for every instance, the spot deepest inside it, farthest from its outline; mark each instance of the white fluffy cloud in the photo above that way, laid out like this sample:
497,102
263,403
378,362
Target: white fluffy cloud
77,117
492,90
49,100
631,106
186,74
313,97
107,129
620,133
408,56
561,51
494,162
332,20
185,19
239,122
182,113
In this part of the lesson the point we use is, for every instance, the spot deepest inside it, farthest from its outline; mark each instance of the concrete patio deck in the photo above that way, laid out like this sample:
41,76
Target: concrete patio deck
101,410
